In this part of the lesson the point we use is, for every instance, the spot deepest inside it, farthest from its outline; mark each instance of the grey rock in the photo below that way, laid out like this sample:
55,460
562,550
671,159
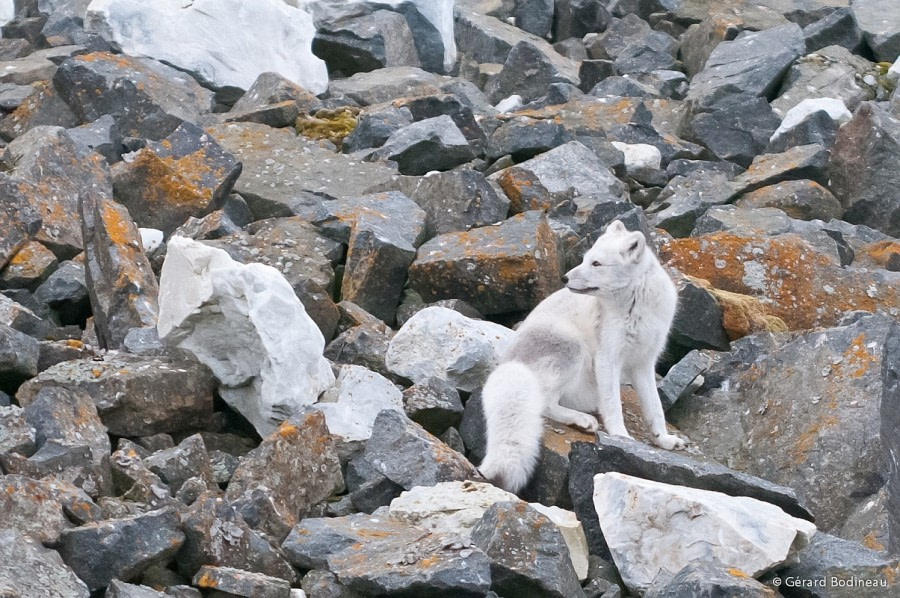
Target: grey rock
19,222
472,428
573,49
365,345
21,318
120,589
146,98
818,128
881,26
101,136
797,163
707,580
832,564
19,355
524,138
656,51
802,199
216,534
408,455
698,319
430,144
29,569
591,72
42,509
178,464
534,16
65,291
386,84
838,28
485,39
449,104
135,395
736,129
235,582
683,378
701,39
686,198
375,126
528,71
890,399
527,552
273,100
869,196
121,548
16,435
577,18
368,487
434,405
364,43
320,583
292,470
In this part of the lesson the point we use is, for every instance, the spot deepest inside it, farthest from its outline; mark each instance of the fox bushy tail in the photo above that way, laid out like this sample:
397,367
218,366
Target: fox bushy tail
513,412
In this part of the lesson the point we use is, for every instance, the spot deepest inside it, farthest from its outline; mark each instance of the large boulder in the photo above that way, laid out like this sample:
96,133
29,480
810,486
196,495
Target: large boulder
29,569
225,52
248,326
654,530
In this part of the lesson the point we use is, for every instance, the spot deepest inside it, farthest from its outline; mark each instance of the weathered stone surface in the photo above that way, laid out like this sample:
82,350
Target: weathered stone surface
737,128
134,395
798,284
355,400
576,18
178,464
527,552
293,469
121,548
146,98
120,589
364,345
28,268
509,267
441,343
686,198
35,507
801,162
744,533
485,39
365,43
29,569
837,568
870,196
205,295
434,405
827,445
386,84
273,100
19,355
801,199
528,72
374,126
408,455
890,400
16,435
705,580
121,284
838,28
429,144
699,321
524,138
278,167
19,222
881,27
683,378
186,174
217,535
236,582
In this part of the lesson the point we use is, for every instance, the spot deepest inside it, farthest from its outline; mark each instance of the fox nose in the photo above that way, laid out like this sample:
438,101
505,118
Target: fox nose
565,278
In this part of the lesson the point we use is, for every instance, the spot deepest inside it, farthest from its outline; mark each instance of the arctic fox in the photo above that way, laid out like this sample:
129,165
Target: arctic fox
567,359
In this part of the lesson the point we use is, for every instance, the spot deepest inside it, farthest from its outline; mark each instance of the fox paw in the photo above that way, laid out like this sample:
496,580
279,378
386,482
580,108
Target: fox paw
587,423
669,442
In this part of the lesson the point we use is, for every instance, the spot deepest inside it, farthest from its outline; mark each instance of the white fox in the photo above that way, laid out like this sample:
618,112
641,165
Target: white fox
570,355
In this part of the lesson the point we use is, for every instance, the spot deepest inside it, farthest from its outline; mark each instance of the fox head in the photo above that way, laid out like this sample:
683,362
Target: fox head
611,264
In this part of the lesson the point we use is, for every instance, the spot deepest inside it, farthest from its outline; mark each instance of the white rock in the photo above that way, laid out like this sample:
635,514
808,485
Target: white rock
7,11
441,343
355,400
248,326
448,508
654,529
225,42
572,532
796,115
151,239
639,155
893,74
513,102
74,8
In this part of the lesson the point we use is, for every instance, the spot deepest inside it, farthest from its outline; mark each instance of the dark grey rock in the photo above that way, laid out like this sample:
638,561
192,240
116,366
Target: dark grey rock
385,85
19,355
870,196
365,344
881,26
121,548
830,565
524,138
100,136
485,39
628,31
591,72
146,98
120,589
653,52
797,163
368,487
527,552
292,470
698,322
364,43
890,408
29,569
375,126
43,508
736,129
472,428
16,435
178,464
273,100
320,583
235,582
542,68
818,128
838,28
135,395
707,580
408,455
216,534
682,167
65,291
683,378
434,405
186,174
21,318
686,198
534,16
431,144
572,48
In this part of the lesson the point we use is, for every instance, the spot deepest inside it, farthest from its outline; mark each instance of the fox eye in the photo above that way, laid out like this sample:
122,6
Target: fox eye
595,263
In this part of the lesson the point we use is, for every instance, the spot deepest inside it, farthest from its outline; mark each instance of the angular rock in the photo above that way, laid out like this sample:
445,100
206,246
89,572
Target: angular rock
120,589
146,98
203,290
441,343
408,455
485,39
577,18
510,267
241,583
683,378
807,123
434,405
272,95
386,85
524,138
828,444
293,469
178,464
365,43
19,355
121,285
18,317
29,569
699,321
364,345
705,580
801,162
28,268
217,535
134,395
881,26
802,199
19,222
527,552
736,129
121,548
890,399
528,71
430,144
16,435
869,196
744,533
838,28
186,174
374,126
354,402
686,198
225,53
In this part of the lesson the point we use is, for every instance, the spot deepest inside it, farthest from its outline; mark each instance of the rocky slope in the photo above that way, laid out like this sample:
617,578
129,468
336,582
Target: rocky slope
258,258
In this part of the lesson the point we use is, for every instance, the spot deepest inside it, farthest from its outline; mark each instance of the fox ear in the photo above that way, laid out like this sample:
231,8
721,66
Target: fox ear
634,246
616,226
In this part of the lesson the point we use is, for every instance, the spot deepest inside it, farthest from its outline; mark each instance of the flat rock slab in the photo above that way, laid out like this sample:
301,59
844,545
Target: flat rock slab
241,583
29,569
135,396
654,530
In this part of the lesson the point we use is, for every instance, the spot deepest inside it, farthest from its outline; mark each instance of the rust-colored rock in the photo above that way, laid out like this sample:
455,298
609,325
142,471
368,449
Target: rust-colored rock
28,268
